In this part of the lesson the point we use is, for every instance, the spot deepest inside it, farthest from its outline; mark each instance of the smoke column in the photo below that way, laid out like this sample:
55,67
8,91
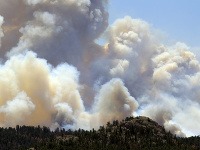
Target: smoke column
53,73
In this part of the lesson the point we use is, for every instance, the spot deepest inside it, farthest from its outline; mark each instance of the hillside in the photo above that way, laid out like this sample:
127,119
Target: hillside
131,133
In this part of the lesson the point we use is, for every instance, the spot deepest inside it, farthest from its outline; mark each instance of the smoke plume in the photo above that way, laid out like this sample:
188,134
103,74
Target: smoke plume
1,31
53,73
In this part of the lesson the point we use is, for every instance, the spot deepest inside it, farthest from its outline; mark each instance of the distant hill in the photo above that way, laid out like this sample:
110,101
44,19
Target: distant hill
130,133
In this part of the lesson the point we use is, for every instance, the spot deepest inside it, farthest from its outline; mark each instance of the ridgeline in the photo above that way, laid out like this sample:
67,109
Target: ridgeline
140,133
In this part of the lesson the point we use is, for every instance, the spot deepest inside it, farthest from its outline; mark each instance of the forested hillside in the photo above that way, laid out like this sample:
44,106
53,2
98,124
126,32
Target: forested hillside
131,133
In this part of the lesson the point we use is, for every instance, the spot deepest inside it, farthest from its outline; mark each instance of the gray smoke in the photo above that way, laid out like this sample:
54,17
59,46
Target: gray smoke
53,73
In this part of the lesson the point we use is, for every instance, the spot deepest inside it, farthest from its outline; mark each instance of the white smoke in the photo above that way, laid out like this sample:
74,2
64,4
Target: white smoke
114,102
44,88
133,73
17,110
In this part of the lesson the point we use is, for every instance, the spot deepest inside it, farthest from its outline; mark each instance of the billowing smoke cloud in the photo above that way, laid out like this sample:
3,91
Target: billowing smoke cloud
75,23
50,96
31,86
54,74
163,79
114,102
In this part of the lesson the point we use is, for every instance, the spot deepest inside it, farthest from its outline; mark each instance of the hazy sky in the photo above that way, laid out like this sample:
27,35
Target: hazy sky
178,19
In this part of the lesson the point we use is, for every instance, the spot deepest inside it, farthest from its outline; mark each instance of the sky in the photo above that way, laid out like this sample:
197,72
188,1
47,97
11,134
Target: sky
177,19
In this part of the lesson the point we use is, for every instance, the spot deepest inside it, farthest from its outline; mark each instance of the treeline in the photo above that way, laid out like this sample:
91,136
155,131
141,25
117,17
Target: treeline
131,133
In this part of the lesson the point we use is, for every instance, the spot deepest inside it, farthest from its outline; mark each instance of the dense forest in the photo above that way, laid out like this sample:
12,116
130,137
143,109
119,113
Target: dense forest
131,133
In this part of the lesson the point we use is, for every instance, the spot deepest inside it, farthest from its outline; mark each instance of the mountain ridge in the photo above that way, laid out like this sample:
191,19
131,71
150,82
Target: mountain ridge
131,133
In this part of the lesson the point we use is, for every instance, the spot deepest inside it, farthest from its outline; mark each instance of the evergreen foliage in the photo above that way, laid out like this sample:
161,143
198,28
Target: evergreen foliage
139,133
